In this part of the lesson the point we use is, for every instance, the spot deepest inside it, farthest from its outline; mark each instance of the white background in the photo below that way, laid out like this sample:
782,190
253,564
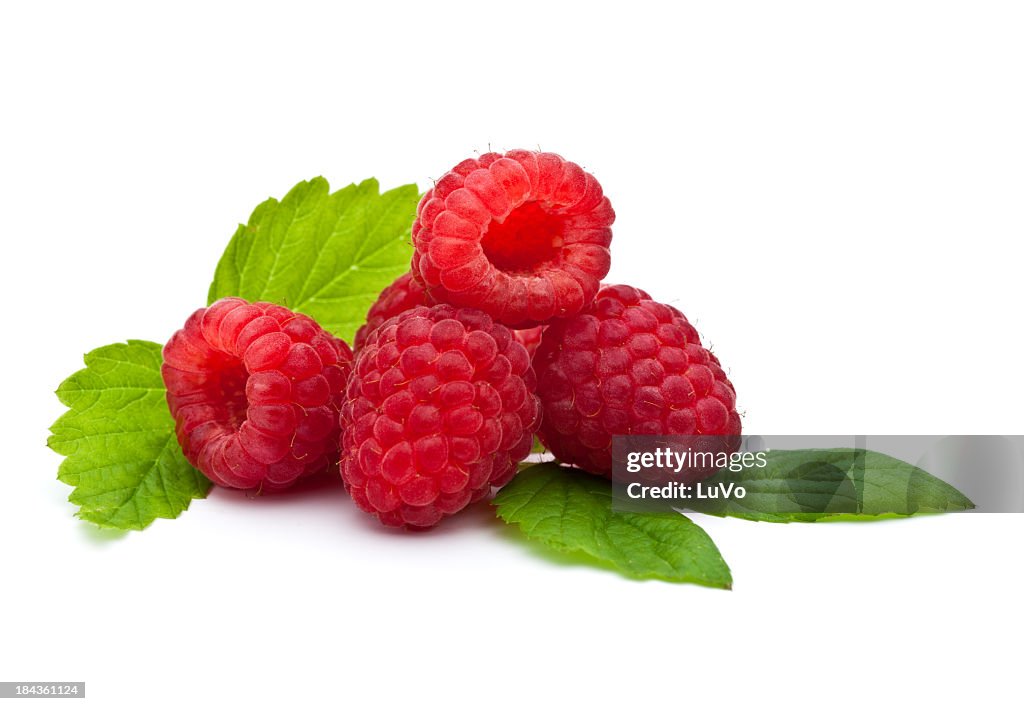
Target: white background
831,191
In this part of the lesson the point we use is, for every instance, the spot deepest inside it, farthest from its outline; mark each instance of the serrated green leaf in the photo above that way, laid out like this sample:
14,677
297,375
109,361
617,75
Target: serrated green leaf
572,511
831,484
122,456
327,255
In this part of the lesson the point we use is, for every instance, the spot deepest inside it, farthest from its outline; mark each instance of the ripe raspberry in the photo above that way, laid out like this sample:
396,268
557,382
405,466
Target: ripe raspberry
522,236
401,295
439,408
627,365
255,390
405,293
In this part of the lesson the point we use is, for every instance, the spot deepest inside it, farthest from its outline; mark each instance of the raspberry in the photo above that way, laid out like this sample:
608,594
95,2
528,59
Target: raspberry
255,390
627,365
403,294
439,408
522,236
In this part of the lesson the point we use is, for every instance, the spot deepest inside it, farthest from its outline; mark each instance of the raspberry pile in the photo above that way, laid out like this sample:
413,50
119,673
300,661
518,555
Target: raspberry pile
443,399
255,390
440,407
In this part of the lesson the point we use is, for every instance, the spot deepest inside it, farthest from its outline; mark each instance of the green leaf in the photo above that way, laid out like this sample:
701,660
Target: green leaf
325,254
571,511
118,438
831,484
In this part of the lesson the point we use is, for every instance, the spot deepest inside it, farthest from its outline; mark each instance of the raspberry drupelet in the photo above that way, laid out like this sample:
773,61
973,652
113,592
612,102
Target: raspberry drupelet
523,236
440,407
255,390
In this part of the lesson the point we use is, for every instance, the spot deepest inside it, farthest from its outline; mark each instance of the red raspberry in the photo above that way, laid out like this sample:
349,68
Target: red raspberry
401,295
405,293
440,408
627,365
255,390
522,236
